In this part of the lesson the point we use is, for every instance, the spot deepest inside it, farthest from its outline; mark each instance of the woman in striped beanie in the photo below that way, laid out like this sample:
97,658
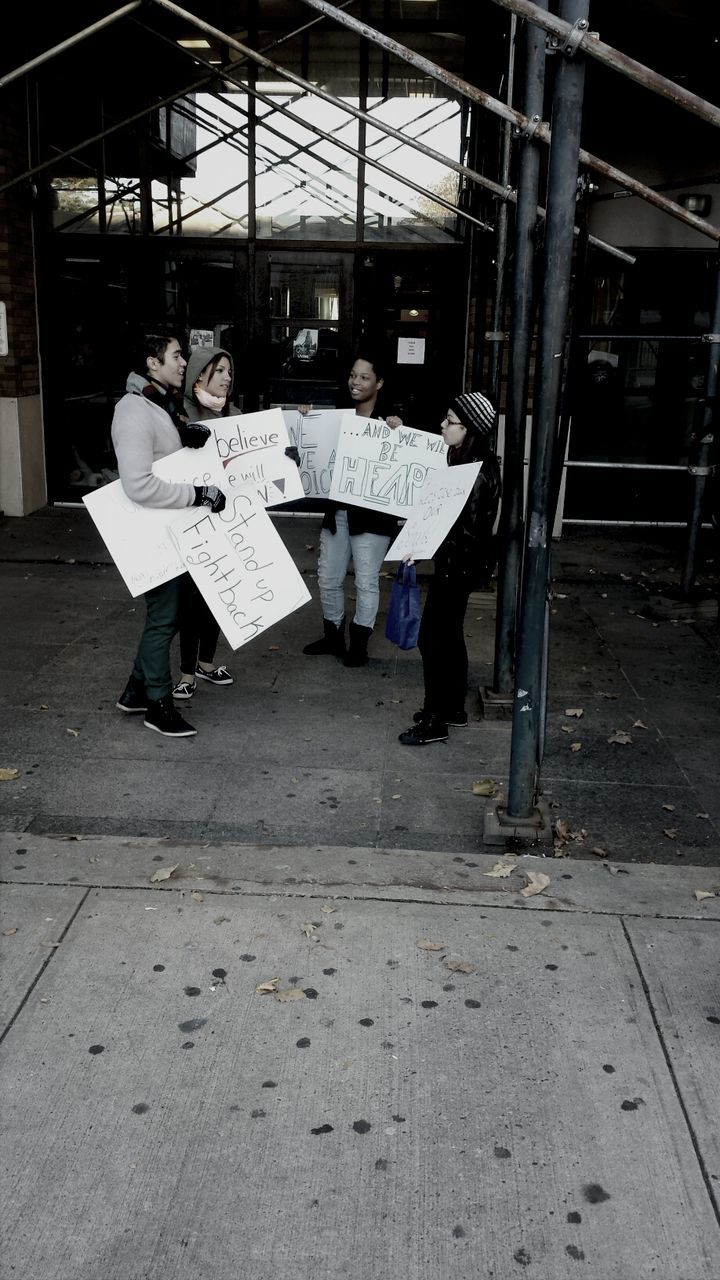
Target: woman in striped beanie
461,563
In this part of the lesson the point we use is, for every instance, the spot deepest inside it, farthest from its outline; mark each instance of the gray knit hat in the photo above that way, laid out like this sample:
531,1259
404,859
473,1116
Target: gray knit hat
475,412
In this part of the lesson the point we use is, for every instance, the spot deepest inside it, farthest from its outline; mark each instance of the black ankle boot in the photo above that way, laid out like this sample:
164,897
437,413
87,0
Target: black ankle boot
357,654
332,641
133,697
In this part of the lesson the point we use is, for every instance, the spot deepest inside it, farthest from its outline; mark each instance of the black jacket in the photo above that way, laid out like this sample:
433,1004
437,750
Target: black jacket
467,555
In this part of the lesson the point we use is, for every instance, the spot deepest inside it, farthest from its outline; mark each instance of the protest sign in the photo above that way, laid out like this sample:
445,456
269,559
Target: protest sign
381,467
315,436
240,564
437,507
137,538
251,448
191,466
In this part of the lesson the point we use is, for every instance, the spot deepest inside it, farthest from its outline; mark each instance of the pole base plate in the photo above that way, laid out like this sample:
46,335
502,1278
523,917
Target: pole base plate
495,706
536,829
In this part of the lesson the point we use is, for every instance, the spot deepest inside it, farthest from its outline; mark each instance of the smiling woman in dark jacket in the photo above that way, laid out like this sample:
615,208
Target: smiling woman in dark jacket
461,565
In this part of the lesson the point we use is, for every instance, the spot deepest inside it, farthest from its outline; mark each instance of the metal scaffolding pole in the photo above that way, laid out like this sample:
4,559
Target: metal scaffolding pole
70,43
700,466
572,37
511,529
505,112
502,231
528,704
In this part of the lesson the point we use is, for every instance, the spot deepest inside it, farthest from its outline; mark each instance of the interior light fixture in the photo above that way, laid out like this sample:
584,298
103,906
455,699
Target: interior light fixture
700,204
194,44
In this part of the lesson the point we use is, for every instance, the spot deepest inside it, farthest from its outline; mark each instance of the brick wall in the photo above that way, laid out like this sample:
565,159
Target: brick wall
19,370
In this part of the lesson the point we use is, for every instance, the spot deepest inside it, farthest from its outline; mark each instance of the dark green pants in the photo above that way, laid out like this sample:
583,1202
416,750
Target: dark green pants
152,664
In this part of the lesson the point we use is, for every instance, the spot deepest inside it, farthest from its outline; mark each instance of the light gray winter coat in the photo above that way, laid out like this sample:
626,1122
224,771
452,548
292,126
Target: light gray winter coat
142,433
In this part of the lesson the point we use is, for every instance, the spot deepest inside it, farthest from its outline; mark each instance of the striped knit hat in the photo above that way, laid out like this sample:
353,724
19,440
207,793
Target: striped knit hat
475,412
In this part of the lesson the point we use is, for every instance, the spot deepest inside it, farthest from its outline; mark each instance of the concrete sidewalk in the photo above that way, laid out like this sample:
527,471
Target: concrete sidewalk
548,1108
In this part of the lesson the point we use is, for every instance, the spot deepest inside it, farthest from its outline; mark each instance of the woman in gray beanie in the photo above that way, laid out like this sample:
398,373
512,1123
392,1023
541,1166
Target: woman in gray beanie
461,563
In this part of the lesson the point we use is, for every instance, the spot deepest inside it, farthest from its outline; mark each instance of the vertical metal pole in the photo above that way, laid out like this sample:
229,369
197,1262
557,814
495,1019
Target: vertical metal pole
502,228
363,73
557,257
510,529
704,437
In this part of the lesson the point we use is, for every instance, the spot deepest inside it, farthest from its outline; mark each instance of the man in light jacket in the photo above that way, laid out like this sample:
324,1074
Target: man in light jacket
148,425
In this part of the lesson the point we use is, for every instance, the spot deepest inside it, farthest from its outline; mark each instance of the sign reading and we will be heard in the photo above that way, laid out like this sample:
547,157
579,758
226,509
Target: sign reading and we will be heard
383,467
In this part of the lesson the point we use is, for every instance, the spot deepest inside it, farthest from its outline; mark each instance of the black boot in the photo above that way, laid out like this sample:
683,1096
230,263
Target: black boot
133,697
357,654
163,716
333,640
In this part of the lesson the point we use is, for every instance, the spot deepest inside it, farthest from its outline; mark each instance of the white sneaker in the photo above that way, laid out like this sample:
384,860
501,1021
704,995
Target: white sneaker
184,691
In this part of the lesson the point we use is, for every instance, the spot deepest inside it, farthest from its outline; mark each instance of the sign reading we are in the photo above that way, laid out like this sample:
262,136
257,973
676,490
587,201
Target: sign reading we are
383,467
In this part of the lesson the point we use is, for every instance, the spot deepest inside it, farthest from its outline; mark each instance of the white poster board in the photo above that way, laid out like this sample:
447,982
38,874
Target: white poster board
138,538
381,467
251,448
240,564
436,509
315,436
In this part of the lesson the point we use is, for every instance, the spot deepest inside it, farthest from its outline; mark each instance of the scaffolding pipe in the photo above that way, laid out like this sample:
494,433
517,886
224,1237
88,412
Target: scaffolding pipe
70,43
700,467
573,38
540,129
510,528
502,228
527,728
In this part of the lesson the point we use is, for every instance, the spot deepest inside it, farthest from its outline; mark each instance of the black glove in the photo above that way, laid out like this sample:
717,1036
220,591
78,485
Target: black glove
208,495
292,452
193,434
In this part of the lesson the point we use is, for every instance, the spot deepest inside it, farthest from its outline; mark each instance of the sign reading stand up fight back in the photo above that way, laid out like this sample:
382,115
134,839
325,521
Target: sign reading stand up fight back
240,564
383,467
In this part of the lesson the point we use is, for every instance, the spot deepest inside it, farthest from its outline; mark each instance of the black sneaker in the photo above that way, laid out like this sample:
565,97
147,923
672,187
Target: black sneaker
163,716
454,719
133,698
220,675
184,690
426,731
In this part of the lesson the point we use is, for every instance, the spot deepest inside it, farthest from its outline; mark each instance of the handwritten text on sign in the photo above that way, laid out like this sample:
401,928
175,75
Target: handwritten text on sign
315,436
381,467
239,562
438,506
252,448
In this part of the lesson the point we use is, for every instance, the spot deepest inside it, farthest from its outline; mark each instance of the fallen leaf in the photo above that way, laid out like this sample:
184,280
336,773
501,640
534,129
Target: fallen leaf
290,993
501,870
702,815
7,775
164,873
7,932
600,853
576,746
610,697
273,647
536,882
328,910
426,945
620,736
484,787
397,797
308,929
459,966
638,724
701,894
267,988
575,711
197,896
74,732
626,577
670,807
44,706
670,832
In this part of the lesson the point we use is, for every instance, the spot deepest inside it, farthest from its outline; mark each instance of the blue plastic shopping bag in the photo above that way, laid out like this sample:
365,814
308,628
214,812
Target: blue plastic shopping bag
403,616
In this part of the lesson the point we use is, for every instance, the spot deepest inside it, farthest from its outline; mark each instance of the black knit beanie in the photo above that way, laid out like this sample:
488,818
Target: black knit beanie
475,412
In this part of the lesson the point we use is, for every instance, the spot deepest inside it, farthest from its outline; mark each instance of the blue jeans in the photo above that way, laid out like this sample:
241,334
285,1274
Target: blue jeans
367,552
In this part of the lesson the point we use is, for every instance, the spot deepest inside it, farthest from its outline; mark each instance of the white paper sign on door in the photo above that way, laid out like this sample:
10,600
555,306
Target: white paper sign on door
381,467
138,538
240,564
436,509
